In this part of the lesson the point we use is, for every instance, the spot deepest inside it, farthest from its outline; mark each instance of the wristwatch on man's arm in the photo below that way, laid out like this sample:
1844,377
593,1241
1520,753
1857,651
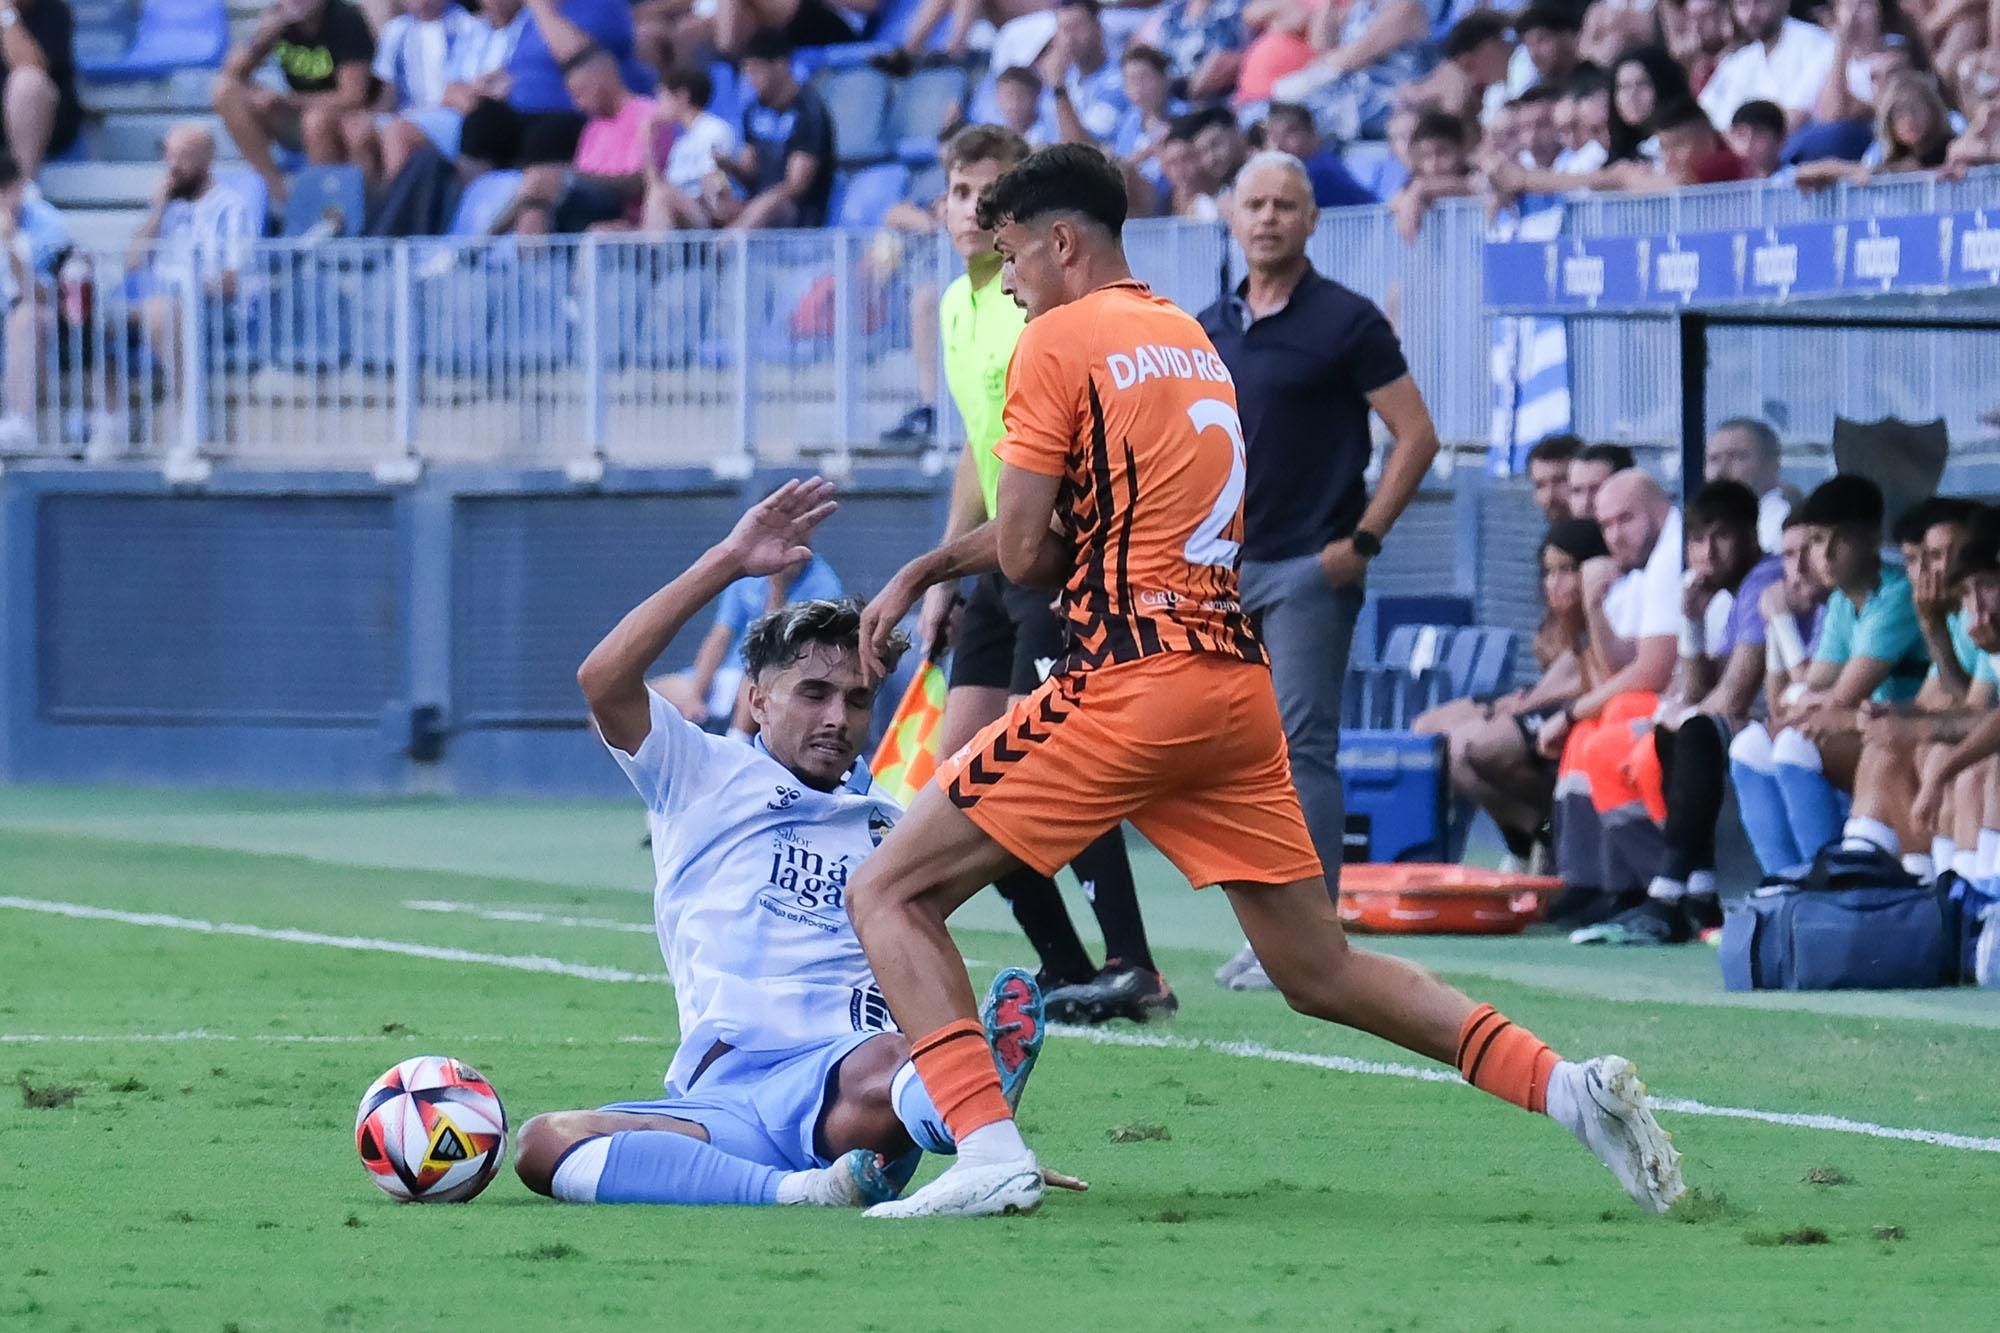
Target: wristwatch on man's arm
1366,544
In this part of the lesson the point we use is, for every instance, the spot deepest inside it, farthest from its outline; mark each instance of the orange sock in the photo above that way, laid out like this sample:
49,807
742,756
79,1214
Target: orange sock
957,1068
1498,1056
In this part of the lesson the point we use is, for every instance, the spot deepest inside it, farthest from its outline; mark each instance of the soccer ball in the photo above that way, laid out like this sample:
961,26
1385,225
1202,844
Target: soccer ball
431,1130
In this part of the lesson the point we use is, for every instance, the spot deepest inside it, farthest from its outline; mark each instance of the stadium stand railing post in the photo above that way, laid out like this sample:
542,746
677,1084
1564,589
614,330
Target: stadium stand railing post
738,262
403,331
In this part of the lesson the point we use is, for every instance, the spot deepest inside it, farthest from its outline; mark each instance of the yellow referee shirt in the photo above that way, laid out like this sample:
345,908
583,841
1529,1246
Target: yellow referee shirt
980,327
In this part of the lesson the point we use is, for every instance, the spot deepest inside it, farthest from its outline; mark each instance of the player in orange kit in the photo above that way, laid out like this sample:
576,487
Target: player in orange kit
1122,483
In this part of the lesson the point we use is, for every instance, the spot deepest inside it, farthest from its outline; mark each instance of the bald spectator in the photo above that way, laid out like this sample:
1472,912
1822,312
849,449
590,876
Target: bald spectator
38,64
324,49
194,243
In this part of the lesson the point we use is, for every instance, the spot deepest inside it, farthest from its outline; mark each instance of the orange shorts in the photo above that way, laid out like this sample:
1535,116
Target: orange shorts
1187,746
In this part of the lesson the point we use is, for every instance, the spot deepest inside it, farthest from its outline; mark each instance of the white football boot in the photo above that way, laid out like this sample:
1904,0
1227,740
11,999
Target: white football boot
1603,1103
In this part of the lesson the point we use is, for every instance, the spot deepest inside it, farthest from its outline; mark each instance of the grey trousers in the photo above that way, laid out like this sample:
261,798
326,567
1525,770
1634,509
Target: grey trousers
1308,626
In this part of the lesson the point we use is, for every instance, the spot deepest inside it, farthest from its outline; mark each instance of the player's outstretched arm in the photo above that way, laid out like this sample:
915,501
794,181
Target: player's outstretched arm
768,539
977,552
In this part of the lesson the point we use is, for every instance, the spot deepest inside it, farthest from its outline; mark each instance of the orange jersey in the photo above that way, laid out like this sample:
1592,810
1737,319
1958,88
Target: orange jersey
1122,396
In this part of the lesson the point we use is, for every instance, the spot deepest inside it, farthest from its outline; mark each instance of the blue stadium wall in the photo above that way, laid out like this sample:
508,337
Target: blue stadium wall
309,631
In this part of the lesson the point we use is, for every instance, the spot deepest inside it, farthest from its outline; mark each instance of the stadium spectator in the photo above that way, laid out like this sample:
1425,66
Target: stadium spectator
1583,120
1979,146
1757,135
33,236
324,50
197,230
1369,49
1872,40
1782,59
1550,36
469,60
1633,601
1440,168
1697,34
1548,475
1389,172
1150,107
538,85
1278,48
1589,468
1693,151
1017,92
1190,186
1538,142
1223,148
1203,42
1898,747
963,14
1746,449
1476,52
606,182
1288,128
1912,133
1643,80
1677,767
1311,360
786,162
1490,749
1789,773
712,693
803,22
1085,94
1609,29
38,99
680,183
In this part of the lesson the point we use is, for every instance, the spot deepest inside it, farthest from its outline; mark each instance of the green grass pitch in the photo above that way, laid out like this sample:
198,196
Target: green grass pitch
176,1131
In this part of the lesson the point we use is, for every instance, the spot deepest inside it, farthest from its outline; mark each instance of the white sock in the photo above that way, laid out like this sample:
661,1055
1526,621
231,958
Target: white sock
577,1174
1701,884
1918,866
1000,1141
1943,849
1562,1105
1861,833
1989,853
792,1186
1666,890
1965,865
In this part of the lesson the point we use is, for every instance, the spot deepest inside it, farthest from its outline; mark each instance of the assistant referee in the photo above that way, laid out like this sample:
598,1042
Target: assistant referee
1009,636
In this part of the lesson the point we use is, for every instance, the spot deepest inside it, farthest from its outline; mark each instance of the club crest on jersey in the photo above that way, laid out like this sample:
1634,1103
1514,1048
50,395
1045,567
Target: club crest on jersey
879,825
785,799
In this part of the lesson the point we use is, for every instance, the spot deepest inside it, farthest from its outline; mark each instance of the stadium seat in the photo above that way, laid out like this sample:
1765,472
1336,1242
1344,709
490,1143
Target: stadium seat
864,197
926,103
169,36
857,96
326,194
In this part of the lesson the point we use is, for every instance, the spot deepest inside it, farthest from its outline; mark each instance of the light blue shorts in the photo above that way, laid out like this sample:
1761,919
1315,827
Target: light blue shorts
763,1106
440,124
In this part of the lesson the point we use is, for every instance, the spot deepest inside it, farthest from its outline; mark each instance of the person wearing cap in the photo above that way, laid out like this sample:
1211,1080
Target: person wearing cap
1790,772
786,161
1899,746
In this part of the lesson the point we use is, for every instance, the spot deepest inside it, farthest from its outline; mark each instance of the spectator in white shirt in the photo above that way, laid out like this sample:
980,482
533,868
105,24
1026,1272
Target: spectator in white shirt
435,63
1782,60
1583,123
193,244
677,187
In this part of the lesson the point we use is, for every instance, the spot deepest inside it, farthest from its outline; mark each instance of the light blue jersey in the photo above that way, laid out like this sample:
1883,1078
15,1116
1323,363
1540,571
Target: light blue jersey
1885,628
750,899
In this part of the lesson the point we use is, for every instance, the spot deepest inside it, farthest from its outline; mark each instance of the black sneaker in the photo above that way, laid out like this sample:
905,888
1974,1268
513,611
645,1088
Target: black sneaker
916,428
1651,922
1117,991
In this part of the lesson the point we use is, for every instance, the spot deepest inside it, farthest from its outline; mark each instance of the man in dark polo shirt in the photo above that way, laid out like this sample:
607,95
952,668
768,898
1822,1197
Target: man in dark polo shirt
325,51
1310,360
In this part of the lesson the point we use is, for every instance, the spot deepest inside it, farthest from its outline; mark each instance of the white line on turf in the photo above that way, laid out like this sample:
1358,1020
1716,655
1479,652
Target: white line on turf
1245,1050
529,917
284,1038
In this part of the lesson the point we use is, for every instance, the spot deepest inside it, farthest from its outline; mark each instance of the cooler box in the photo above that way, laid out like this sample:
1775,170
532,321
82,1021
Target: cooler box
1422,899
1396,795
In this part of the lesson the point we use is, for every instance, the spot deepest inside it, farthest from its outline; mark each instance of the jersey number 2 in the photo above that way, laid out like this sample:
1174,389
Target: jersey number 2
1208,546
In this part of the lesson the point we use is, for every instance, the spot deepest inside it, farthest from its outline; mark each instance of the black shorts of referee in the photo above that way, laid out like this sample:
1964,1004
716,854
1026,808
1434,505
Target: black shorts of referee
1009,637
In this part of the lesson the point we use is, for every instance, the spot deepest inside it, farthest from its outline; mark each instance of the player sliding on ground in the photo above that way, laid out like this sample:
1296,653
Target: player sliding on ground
790,1085
1122,483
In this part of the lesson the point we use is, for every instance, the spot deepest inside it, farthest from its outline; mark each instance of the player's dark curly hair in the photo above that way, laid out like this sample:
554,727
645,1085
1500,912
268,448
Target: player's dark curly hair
781,637
1063,178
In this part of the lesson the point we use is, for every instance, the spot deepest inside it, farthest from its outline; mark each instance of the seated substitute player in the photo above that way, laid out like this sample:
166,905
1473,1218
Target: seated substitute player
790,1084
1122,481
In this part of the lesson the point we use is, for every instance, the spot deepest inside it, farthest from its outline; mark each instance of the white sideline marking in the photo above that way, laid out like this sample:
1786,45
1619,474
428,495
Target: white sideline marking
202,1034
525,916
1243,1050
360,943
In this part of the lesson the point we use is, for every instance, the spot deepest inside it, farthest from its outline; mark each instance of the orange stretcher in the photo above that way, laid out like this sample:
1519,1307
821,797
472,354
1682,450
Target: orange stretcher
1429,899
